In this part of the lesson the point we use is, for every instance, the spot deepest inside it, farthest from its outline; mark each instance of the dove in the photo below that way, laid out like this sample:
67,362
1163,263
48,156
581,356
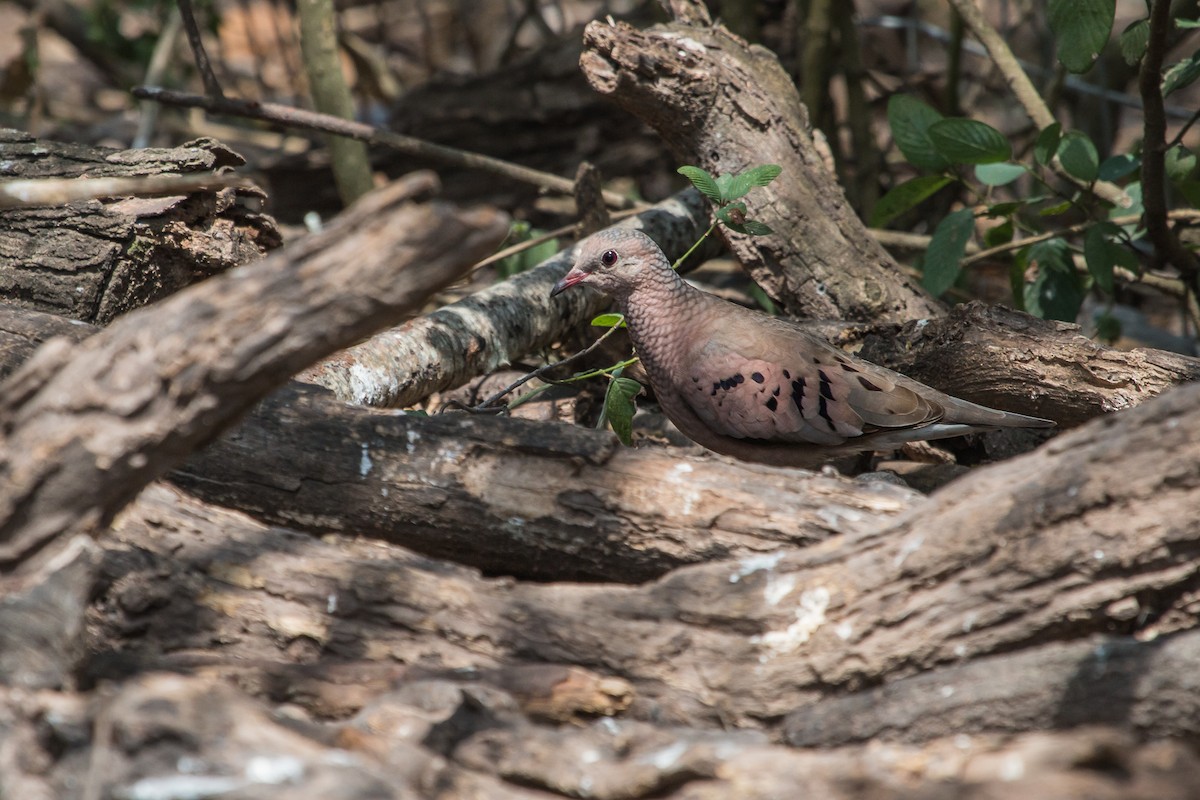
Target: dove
755,387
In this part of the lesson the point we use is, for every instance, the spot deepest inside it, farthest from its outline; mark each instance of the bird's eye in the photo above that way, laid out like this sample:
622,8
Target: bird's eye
609,258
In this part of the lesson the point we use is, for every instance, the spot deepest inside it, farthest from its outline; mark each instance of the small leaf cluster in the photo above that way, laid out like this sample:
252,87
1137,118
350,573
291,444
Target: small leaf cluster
725,191
619,407
979,160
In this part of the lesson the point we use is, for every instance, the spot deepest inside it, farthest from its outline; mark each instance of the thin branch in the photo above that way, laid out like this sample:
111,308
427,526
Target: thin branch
487,404
211,85
311,120
1190,214
1154,147
59,191
164,49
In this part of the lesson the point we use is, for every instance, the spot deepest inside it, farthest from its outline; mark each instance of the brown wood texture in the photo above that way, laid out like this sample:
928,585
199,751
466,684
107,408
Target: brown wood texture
83,428
1025,633
535,500
96,260
1000,357
1042,548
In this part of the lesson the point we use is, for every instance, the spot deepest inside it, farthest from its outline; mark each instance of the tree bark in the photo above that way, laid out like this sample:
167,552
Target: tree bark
1034,550
83,428
96,260
535,500
1007,359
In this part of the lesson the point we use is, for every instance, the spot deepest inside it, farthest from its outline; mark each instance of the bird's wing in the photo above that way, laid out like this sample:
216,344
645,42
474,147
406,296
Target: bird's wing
759,378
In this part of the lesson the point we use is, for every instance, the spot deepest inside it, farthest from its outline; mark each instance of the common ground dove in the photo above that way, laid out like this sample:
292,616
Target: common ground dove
755,387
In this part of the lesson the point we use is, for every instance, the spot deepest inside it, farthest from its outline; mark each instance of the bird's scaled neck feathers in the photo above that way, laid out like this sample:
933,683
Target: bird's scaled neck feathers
660,312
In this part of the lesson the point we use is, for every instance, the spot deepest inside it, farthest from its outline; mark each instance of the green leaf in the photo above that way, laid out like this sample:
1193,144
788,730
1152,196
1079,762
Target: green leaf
969,141
1190,189
1097,252
732,214
1000,174
1134,39
1009,207
724,180
609,321
703,182
998,234
904,196
946,250
1047,143
1052,254
1078,156
1180,163
1056,291
762,298
909,120
1082,28
1181,74
522,231
755,228
1116,167
739,186
1108,328
743,182
763,174
619,407
1056,209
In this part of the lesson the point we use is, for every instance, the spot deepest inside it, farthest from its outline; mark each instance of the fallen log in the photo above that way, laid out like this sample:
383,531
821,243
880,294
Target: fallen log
83,428
98,259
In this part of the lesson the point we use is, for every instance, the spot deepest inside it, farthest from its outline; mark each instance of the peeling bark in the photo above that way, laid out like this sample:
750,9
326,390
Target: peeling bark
96,260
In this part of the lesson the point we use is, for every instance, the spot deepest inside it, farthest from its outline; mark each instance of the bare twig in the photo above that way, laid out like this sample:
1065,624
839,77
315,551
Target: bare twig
211,85
159,61
487,404
311,120
59,191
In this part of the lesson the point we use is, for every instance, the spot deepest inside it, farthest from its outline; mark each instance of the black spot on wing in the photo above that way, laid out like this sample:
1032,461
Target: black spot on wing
728,383
771,404
823,410
846,365
787,376
757,377
866,384
798,394
825,389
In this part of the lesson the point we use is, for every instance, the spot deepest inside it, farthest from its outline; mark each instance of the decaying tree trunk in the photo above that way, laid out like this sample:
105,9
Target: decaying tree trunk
96,260
512,497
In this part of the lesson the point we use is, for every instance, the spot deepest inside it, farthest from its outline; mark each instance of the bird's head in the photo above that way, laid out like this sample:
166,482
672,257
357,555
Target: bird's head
614,261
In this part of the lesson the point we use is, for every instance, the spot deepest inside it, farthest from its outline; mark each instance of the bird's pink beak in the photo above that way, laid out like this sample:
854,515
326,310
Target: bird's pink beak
576,275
